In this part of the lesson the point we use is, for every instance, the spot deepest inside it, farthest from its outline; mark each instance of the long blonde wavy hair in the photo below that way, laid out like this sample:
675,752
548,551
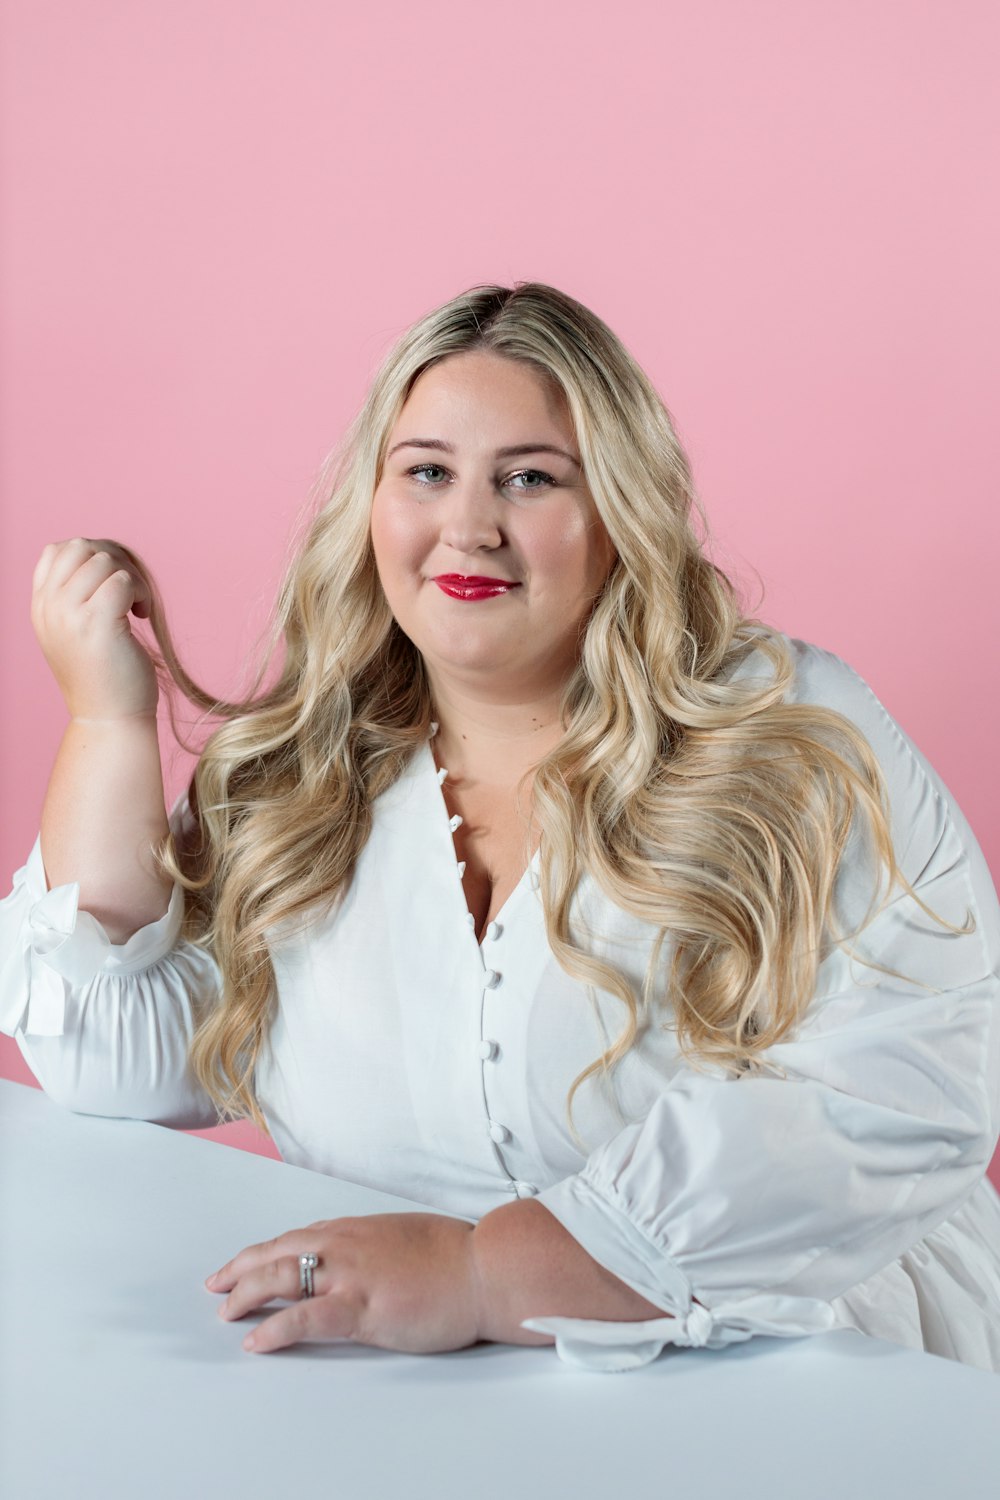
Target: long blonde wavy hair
710,808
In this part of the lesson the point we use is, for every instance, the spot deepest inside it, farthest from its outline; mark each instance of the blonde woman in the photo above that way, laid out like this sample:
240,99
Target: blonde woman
543,887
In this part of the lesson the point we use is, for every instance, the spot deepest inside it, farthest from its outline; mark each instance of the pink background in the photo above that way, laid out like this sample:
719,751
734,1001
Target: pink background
219,214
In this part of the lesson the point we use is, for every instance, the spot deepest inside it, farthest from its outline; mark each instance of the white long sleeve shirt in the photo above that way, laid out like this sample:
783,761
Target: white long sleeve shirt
410,1057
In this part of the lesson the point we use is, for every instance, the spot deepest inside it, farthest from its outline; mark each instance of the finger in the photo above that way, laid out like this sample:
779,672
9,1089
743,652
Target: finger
317,1320
65,558
117,593
43,567
79,550
142,608
289,1243
254,1288
87,578
225,1278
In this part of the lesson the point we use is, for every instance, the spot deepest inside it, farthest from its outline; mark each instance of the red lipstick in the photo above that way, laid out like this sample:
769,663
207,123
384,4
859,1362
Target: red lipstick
462,586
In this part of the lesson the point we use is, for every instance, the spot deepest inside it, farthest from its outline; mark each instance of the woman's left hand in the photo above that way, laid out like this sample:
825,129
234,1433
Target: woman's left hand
398,1281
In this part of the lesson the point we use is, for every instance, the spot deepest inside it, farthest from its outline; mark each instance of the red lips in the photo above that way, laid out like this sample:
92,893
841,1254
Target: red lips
473,580
464,586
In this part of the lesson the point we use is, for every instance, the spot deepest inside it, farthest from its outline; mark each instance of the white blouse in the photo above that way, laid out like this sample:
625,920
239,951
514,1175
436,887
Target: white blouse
407,1056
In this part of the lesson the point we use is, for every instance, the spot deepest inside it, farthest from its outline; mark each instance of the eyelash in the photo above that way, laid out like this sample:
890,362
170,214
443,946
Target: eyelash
518,474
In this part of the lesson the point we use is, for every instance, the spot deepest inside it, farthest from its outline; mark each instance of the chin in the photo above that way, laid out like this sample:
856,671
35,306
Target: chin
465,655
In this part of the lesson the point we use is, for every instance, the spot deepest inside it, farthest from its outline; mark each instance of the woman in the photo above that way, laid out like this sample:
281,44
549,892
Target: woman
543,887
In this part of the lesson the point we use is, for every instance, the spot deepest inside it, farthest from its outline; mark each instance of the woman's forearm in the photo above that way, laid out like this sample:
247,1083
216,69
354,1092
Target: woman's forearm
104,813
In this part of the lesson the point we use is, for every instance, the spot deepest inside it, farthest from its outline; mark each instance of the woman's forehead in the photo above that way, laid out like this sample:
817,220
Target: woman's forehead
478,386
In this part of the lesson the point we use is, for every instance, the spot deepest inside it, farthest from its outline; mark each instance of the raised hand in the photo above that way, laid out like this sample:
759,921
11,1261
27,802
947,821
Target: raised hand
83,593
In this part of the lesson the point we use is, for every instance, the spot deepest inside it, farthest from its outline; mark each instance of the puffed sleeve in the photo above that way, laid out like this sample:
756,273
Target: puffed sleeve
104,1027
744,1205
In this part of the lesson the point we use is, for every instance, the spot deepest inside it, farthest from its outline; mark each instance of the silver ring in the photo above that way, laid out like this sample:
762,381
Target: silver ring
307,1264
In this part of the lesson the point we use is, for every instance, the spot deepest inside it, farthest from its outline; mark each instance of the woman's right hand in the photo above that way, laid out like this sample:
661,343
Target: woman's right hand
83,592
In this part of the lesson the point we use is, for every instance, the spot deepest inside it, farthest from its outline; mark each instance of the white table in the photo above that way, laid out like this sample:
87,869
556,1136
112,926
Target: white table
118,1380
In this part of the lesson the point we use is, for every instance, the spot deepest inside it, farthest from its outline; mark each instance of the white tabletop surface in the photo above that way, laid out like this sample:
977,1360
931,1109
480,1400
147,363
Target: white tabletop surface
117,1379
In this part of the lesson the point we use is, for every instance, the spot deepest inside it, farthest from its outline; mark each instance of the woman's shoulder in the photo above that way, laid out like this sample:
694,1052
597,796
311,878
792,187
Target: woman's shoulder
924,812
820,675
824,679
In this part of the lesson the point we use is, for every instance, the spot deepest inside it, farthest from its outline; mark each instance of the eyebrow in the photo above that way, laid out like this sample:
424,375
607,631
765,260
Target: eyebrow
517,451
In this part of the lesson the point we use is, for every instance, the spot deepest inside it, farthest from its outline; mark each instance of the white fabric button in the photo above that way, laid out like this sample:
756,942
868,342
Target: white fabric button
488,1050
455,822
442,776
461,872
494,930
491,979
499,1133
525,1189
470,919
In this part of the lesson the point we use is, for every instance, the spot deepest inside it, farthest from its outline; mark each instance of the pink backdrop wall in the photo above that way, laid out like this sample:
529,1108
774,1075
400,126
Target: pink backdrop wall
218,214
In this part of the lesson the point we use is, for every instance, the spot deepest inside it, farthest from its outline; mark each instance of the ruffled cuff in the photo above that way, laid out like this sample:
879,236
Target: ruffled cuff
592,1344
610,1237
50,945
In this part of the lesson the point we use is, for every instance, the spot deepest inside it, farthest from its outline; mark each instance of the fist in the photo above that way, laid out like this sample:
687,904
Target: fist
83,592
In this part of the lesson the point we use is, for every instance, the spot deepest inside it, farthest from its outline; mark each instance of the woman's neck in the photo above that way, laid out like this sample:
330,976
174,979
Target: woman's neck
489,741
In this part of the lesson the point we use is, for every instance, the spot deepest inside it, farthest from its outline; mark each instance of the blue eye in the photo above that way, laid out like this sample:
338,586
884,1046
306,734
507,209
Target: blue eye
537,474
421,468
533,474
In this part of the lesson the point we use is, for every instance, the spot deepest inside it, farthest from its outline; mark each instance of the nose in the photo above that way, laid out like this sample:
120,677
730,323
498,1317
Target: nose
471,517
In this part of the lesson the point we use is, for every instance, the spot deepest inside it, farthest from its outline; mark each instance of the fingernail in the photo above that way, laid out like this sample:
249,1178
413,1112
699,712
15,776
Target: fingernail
250,1342
209,1280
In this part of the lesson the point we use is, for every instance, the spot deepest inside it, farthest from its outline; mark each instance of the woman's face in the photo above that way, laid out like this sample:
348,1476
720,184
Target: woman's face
472,489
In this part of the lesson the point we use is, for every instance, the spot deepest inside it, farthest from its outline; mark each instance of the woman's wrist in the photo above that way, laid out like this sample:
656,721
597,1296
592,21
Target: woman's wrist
527,1264
144,716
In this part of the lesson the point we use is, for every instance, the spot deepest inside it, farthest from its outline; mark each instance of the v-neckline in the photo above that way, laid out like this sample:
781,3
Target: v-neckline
502,916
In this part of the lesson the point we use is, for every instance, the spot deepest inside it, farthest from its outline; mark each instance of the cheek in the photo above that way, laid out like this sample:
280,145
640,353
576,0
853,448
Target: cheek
572,555
397,537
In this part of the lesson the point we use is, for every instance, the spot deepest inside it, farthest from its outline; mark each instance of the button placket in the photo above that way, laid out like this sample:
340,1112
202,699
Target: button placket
488,1051
488,1048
